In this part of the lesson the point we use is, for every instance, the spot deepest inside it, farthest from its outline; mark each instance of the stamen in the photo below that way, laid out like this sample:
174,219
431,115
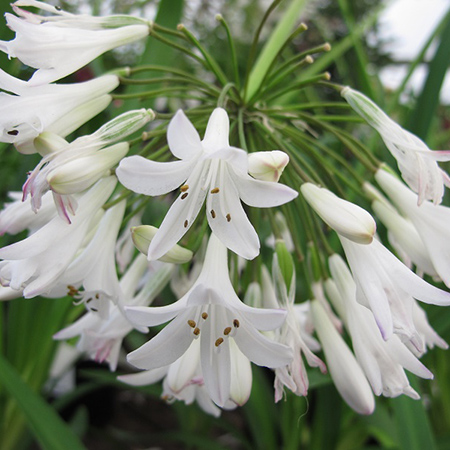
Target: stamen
184,196
196,331
236,323
228,216
215,190
184,188
227,331
97,296
58,8
192,323
213,214
186,224
204,316
13,132
218,341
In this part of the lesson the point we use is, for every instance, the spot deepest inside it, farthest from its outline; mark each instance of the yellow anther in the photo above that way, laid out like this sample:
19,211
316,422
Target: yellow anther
184,195
213,214
204,316
215,190
192,323
218,341
186,224
228,216
227,331
236,323
196,331
184,188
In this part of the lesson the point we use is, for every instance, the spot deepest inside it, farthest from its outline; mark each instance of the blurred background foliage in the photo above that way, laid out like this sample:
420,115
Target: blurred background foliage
103,413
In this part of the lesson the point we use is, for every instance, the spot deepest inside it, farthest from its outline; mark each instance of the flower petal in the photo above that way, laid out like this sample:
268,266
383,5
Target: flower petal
183,139
150,177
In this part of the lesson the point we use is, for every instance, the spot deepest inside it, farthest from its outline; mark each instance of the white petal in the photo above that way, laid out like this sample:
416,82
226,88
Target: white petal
217,130
150,177
144,378
183,139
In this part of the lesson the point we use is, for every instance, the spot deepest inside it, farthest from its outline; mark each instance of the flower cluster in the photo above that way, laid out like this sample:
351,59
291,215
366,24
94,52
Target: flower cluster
83,205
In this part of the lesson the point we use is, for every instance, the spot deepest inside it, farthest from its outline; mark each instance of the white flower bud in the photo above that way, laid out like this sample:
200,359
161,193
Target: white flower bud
346,218
143,235
267,166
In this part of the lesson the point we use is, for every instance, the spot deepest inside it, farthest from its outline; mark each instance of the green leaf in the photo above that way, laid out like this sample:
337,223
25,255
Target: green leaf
273,46
48,428
428,101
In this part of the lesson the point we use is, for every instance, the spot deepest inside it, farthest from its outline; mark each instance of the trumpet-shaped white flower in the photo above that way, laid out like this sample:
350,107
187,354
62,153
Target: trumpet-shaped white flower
212,312
431,221
27,111
416,161
100,337
35,263
276,294
345,371
61,44
386,286
182,380
346,218
208,169
383,361
67,169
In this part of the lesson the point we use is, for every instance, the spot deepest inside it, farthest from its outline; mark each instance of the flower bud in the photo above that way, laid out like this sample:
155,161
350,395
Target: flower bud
143,235
346,218
122,126
267,166
81,173
285,262
48,142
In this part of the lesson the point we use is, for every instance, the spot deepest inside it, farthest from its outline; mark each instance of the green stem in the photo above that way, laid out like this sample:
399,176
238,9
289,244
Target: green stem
234,63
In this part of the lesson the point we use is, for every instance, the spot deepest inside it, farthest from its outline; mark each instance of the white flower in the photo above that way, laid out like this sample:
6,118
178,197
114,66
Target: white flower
346,218
292,333
267,166
182,380
59,45
431,221
386,286
35,263
30,110
101,338
208,168
416,161
383,361
211,311
346,373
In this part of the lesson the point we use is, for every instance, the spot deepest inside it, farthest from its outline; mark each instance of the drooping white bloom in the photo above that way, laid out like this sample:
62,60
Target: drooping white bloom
431,221
35,263
17,216
182,380
383,361
416,161
276,294
346,218
208,169
26,111
67,169
386,286
267,166
345,371
100,337
212,312
61,44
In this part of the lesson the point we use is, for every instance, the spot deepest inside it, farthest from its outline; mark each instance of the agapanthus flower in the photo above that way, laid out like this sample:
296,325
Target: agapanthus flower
26,111
431,221
35,263
386,286
212,312
59,45
101,337
345,371
417,163
383,361
210,169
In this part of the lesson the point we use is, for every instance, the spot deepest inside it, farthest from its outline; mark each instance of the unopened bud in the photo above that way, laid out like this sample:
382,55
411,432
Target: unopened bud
346,218
143,235
267,166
